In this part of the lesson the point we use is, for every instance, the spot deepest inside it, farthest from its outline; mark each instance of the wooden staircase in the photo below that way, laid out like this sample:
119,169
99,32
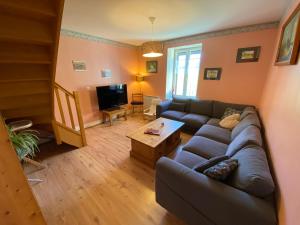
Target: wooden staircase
29,38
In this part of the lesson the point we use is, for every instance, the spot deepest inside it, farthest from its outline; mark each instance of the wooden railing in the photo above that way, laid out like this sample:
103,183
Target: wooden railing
64,132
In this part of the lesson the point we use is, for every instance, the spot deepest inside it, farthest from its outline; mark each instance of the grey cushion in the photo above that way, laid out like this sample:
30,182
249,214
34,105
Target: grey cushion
176,106
249,136
253,174
189,159
230,111
205,147
203,107
251,119
215,133
247,111
173,115
201,166
221,170
195,120
185,100
213,122
219,108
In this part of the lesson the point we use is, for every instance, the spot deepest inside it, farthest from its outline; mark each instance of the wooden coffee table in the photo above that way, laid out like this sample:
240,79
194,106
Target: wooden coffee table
149,148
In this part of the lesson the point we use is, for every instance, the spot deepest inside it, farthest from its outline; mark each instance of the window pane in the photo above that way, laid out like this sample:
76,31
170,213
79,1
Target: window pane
180,70
193,74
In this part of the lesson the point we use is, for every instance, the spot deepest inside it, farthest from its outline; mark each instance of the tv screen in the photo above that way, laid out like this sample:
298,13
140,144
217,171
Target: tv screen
112,96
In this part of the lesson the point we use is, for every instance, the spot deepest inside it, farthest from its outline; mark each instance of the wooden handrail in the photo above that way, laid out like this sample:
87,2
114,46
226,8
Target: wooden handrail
75,97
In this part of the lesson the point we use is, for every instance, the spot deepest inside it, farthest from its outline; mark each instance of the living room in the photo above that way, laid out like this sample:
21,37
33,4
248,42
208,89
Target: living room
202,132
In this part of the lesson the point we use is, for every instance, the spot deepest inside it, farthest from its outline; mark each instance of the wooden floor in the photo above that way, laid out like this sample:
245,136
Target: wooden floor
100,183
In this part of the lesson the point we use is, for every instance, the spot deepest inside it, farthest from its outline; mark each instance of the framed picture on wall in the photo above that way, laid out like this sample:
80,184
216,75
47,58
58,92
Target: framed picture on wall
151,66
250,54
288,49
212,73
79,66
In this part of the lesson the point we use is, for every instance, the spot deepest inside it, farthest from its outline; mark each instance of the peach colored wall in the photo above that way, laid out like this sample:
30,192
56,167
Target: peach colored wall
280,111
240,83
122,61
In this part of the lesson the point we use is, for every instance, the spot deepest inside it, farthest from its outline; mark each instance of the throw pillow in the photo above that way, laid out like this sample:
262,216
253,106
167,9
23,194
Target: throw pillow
177,106
230,111
230,122
200,167
222,170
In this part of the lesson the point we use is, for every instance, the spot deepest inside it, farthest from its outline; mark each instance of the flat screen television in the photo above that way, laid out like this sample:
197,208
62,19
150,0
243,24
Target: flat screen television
112,96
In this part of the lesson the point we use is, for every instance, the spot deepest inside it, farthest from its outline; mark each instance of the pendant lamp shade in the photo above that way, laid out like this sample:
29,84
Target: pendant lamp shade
152,49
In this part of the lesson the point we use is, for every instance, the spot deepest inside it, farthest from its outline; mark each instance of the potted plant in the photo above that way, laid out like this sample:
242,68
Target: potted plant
25,142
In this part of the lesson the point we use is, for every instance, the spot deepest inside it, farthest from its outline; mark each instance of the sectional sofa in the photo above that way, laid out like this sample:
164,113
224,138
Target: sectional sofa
246,197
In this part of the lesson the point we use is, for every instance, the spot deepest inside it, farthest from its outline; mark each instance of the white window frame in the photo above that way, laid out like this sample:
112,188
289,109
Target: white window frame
173,55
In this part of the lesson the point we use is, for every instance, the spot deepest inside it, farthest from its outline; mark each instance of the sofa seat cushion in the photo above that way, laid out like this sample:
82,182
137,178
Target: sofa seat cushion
249,136
253,174
195,120
205,147
173,115
214,122
189,159
215,133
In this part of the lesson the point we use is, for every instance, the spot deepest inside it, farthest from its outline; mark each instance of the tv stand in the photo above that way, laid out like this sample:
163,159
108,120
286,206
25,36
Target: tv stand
116,111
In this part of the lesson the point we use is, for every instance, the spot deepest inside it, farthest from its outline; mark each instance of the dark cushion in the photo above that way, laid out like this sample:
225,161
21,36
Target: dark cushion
203,107
249,136
247,111
185,100
175,106
213,122
222,170
201,166
205,147
189,159
195,120
173,115
230,111
253,174
215,133
251,119
219,108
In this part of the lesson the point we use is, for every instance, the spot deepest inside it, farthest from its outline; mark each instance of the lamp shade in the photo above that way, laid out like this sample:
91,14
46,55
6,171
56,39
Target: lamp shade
152,49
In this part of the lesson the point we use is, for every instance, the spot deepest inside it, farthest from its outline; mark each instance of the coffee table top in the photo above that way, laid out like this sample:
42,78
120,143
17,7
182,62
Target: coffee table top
170,127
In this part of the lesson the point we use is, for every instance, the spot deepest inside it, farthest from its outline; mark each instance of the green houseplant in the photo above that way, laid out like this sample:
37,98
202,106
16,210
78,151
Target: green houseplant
25,142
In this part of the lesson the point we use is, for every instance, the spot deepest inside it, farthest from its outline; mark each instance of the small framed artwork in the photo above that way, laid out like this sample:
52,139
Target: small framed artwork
250,54
79,66
151,66
288,49
212,73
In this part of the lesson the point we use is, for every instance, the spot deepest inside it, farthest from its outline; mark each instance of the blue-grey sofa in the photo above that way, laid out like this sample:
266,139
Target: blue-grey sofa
246,197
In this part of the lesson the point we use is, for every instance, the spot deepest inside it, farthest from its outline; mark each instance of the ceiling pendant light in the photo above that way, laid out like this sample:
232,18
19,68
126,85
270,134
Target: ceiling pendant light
152,48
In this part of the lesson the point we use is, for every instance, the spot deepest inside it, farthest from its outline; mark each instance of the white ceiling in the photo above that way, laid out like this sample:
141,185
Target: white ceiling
127,20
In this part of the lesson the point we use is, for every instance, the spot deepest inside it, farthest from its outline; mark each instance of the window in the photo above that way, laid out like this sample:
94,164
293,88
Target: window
183,71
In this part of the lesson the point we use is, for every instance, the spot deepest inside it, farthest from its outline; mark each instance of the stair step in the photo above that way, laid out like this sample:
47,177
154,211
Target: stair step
24,72
30,8
25,30
24,101
24,88
41,110
24,53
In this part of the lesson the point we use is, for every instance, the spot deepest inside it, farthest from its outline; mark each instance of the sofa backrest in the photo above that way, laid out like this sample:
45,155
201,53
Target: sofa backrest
253,173
202,107
186,101
249,136
250,119
219,108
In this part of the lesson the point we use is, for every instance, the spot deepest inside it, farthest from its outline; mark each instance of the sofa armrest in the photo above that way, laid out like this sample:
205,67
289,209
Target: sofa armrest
162,107
220,203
